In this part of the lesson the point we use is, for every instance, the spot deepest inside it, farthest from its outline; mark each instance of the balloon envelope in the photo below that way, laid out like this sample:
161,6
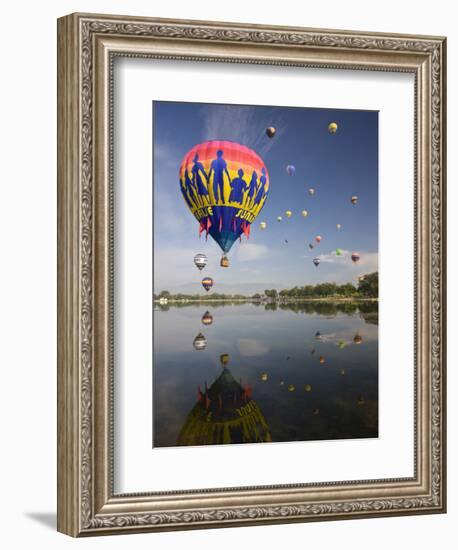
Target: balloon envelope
263,225
311,191
270,131
318,238
355,257
304,213
338,252
225,185
338,226
333,127
290,169
279,218
316,261
207,283
354,199
200,260
288,213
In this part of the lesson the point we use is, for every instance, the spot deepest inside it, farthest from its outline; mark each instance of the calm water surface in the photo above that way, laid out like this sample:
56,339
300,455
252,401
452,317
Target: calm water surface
265,372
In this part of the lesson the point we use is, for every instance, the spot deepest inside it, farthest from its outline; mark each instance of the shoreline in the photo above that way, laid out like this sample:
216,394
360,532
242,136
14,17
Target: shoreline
283,301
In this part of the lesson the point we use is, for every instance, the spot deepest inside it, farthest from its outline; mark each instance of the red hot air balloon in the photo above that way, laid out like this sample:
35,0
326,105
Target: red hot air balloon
318,238
225,186
355,257
207,283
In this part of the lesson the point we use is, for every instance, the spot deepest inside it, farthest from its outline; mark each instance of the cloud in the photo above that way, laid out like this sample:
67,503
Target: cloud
241,124
251,348
248,252
332,257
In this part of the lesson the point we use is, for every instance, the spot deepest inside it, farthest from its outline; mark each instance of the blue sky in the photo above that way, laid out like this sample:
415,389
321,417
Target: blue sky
337,166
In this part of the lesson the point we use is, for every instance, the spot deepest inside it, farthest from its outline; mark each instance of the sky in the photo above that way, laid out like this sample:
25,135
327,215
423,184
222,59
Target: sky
337,166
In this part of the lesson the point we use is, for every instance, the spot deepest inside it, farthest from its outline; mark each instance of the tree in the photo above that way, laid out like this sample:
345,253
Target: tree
368,285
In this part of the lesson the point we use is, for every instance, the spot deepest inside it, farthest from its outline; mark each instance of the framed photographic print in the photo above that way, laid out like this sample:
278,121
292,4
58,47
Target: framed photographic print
251,274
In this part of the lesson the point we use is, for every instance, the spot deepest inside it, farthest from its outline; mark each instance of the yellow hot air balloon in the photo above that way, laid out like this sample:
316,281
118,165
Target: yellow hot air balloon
288,213
264,376
304,213
291,387
263,225
332,127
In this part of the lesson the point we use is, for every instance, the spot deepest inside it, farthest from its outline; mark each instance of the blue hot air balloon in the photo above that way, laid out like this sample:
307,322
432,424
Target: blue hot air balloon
290,169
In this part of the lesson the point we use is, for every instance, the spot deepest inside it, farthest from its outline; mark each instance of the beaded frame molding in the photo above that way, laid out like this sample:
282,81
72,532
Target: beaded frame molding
87,46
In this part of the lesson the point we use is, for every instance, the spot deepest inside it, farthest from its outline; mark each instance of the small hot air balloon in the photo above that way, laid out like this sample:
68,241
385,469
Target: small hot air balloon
339,226
318,238
342,371
304,213
308,387
200,342
270,131
322,360
342,344
338,252
207,283
207,318
282,382
290,169
311,191
311,246
316,261
224,261
224,359
279,218
286,241
355,257
358,338
318,335
200,260
354,199
361,278
332,127
288,213
263,225
291,387
264,376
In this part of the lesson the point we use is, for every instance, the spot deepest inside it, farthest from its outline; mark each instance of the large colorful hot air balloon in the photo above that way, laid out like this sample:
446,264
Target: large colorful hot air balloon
200,260
207,283
225,186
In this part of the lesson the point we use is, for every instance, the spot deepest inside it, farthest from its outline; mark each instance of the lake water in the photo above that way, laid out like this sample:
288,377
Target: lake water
264,372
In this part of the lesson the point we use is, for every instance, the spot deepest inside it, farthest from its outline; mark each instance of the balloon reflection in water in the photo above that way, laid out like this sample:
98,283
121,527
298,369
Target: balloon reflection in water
308,387
264,376
291,387
200,342
358,339
322,360
224,413
207,318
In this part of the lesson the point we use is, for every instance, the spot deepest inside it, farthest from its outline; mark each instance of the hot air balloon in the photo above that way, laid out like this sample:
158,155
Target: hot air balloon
290,169
207,283
318,238
338,226
311,191
207,318
342,371
288,213
316,261
200,342
291,387
338,252
263,225
318,335
264,376
308,387
354,199
358,339
279,218
200,260
355,257
311,246
304,213
332,127
322,360
342,344
270,131
224,185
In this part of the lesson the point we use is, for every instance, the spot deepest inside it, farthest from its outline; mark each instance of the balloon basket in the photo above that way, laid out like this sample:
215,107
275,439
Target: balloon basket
224,261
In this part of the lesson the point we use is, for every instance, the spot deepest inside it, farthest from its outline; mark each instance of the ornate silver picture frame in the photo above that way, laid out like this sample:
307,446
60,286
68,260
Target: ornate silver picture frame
87,46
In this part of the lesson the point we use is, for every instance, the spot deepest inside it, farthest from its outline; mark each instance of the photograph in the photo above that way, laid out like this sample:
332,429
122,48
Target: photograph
265,286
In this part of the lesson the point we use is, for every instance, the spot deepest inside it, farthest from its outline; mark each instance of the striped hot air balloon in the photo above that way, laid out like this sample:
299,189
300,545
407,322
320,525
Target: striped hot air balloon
225,186
207,283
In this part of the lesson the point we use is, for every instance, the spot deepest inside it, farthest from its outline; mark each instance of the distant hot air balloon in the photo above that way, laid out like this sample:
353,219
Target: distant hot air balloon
263,225
316,261
270,131
311,191
264,376
288,213
318,335
304,213
207,318
342,371
355,257
200,260
291,387
207,283
342,344
308,387
322,360
225,186
338,252
354,199
358,338
332,127
318,238
311,246
290,169
338,226
200,342
279,218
